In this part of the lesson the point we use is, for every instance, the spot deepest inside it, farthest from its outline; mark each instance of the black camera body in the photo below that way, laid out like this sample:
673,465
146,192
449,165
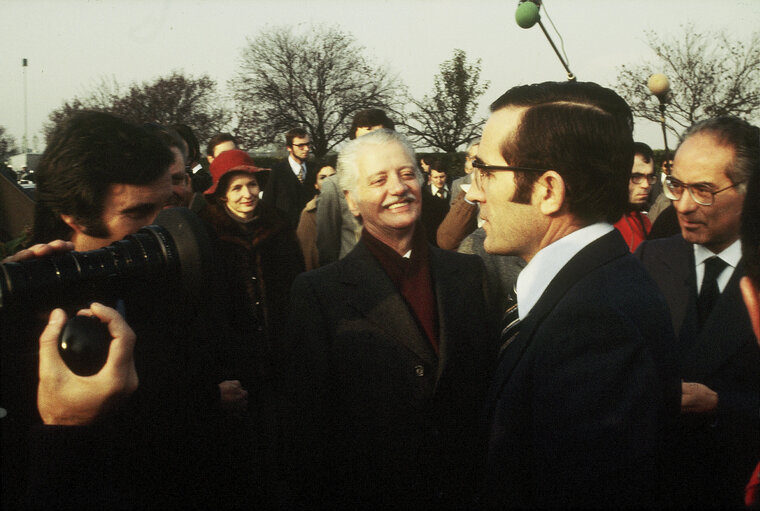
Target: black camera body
145,275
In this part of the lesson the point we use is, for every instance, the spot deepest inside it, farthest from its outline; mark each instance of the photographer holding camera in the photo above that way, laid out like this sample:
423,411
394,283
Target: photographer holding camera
103,178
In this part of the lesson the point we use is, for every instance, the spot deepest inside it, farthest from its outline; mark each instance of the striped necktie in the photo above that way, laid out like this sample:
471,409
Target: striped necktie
510,322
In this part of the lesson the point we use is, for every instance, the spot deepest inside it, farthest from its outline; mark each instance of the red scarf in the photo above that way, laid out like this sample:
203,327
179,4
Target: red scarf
411,276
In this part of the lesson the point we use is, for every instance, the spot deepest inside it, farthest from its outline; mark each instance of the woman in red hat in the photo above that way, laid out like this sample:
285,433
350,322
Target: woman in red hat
260,258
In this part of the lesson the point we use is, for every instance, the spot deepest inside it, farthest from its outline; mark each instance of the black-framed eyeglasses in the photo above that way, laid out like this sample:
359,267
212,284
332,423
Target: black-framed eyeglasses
301,146
702,193
485,169
638,177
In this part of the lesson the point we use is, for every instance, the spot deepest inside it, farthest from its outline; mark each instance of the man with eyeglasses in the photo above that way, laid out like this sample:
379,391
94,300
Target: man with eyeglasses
584,388
634,225
291,182
699,271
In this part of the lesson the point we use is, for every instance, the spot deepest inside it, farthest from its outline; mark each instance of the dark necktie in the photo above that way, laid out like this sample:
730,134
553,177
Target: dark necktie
441,193
709,292
510,322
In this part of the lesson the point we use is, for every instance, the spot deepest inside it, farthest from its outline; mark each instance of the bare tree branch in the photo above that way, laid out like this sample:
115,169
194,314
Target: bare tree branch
316,79
710,75
444,119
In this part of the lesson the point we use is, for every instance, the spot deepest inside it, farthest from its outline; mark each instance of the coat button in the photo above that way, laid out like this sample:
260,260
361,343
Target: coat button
419,370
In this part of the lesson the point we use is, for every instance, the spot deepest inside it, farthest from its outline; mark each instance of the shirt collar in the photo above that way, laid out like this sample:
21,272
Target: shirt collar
294,165
731,254
546,264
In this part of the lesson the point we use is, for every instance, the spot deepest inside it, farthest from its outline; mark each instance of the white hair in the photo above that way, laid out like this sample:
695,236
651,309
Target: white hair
348,159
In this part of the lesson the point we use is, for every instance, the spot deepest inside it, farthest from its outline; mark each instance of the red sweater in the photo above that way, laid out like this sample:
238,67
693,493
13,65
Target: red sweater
634,226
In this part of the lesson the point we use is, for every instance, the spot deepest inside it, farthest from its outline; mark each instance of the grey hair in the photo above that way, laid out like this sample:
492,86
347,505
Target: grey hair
738,134
348,159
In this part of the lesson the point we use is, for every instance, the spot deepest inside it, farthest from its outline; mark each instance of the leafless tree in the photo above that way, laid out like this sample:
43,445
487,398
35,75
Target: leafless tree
316,79
710,74
446,118
7,145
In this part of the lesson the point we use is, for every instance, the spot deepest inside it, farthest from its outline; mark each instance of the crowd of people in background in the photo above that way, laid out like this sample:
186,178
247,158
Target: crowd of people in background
560,326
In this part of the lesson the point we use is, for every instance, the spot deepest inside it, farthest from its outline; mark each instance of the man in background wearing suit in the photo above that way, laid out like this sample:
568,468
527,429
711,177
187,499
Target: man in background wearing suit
291,183
390,353
584,387
435,201
699,272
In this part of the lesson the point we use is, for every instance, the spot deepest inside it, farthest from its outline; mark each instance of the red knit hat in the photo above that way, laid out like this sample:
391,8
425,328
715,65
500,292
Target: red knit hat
234,160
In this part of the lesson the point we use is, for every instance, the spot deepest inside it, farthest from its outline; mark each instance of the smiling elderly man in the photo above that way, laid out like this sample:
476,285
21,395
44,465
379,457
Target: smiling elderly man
390,352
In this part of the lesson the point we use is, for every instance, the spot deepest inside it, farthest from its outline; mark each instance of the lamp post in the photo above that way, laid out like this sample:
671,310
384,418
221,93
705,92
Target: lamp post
659,86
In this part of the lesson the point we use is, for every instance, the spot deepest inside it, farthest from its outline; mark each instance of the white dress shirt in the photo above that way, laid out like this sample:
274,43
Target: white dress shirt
297,167
730,255
546,264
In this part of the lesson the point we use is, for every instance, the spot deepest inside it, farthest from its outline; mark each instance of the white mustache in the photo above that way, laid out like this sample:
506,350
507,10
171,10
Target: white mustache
408,196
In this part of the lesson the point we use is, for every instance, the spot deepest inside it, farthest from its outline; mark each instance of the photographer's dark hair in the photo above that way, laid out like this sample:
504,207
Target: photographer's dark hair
581,130
86,154
368,118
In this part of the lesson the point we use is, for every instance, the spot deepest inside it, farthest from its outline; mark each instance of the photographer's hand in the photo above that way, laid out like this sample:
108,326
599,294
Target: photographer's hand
63,398
234,397
40,250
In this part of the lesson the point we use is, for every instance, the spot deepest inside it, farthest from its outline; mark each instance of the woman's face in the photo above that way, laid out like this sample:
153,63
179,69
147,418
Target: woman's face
242,196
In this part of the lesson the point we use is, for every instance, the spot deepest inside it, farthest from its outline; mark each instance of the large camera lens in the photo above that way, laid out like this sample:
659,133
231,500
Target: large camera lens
175,250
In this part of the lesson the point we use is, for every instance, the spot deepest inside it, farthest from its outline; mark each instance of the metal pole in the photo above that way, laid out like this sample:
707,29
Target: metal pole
664,135
23,144
570,75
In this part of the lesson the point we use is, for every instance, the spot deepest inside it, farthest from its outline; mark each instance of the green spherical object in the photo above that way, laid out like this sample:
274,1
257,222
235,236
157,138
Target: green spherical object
527,14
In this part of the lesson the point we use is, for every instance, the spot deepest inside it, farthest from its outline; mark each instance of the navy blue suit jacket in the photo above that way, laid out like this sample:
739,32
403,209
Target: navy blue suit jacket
716,452
583,397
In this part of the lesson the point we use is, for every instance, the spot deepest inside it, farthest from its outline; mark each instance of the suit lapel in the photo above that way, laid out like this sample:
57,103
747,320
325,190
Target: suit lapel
449,308
679,264
378,300
599,252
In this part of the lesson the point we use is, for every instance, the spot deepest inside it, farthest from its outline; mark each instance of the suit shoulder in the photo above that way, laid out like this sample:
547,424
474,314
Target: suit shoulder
456,259
281,166
661,246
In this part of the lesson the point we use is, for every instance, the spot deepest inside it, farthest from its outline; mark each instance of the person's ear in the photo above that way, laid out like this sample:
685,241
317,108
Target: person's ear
73,224
352,206
549,192
752,301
